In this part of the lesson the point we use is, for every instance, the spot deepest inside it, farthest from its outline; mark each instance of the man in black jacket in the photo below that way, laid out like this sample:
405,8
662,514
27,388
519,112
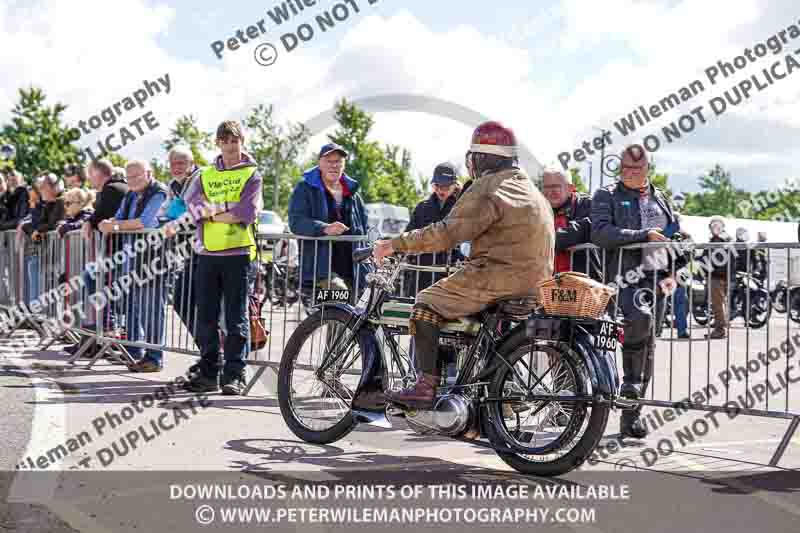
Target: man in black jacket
627,212
111,191
571,211
434,209
15,200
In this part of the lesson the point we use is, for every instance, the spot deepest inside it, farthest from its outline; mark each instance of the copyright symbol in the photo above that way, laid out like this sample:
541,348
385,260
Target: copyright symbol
204,515
643,299
624,463
611,165
265,54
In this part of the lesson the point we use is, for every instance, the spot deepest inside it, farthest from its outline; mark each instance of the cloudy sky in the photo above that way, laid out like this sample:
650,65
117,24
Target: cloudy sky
553,72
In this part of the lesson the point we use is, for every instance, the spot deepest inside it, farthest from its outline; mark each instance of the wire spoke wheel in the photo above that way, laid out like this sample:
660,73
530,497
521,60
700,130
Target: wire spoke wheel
759,308
319,374
543,436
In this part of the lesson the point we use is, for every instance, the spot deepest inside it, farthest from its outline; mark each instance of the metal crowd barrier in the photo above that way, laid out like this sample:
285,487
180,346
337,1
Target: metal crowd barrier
150,306
752,370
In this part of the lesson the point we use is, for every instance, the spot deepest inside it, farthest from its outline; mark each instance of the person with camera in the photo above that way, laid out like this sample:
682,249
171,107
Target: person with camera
633,210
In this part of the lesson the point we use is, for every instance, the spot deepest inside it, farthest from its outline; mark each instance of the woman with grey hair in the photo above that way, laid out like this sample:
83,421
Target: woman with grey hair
181,168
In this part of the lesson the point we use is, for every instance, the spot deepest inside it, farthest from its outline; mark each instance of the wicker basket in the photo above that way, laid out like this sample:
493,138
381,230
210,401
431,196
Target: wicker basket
574,294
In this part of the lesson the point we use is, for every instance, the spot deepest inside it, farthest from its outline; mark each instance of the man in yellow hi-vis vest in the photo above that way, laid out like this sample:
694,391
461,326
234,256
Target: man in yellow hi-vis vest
224,199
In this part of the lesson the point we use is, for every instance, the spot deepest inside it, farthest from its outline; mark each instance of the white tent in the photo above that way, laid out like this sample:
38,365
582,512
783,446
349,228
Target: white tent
777,233
783,232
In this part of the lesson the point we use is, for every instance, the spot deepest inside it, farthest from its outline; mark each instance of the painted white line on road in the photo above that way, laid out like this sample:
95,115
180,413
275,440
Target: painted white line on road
48,426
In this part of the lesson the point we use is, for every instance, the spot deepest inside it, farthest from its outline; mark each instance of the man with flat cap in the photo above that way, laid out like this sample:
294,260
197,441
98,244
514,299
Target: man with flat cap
431,210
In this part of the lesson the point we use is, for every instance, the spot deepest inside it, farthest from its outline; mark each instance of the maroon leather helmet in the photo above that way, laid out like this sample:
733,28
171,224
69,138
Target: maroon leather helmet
495,139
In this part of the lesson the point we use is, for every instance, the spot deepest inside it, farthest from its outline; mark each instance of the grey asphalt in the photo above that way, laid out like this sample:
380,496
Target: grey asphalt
16,418
16,415
721,482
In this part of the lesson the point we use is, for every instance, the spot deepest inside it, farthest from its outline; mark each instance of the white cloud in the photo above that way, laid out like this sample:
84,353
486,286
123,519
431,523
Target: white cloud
587,64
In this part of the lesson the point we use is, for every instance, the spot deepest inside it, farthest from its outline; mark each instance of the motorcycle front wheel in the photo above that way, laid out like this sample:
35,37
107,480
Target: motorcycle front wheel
315,403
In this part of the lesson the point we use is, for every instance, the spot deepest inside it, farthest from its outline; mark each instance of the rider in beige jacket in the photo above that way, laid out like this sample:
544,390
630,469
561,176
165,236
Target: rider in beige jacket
510,226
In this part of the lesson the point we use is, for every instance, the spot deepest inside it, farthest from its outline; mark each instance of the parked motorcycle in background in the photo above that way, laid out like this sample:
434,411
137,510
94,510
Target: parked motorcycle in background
282,273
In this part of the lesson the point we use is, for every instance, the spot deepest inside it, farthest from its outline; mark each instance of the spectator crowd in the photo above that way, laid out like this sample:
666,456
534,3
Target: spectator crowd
219,203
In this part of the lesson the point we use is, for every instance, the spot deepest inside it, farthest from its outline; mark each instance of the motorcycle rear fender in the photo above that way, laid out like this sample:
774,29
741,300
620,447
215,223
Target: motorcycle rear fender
601,366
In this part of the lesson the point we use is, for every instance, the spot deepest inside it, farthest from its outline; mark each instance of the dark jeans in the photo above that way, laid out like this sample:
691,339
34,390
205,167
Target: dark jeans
145,317
680,310
109,319
31,278
218,277
183,295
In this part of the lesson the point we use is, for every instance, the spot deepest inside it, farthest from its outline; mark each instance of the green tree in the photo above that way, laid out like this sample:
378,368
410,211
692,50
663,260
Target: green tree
160,170
781,205
577,181
660,180
117,160
276,149
6,164
718,196
187,133
40,137
384,173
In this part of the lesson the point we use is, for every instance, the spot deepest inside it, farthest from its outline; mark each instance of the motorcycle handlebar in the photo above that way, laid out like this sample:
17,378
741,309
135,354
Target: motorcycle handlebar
362,254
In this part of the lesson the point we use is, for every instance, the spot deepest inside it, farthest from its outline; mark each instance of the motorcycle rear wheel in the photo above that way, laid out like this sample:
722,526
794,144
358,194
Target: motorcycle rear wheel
572,440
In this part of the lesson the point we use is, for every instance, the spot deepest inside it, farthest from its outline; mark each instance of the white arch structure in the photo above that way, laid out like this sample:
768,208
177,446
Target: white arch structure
422,104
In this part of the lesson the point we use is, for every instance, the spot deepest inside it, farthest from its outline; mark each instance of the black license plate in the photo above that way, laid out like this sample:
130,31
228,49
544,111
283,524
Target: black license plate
605,336
332,295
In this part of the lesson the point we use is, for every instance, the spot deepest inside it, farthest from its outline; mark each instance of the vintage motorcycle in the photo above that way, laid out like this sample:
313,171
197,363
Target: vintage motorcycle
538,387
786,298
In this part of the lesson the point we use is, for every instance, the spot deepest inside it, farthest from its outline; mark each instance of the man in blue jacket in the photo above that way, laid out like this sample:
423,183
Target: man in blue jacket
327,204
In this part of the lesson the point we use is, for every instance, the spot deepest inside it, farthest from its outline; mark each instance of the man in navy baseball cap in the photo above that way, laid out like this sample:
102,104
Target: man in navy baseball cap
443,181
331,148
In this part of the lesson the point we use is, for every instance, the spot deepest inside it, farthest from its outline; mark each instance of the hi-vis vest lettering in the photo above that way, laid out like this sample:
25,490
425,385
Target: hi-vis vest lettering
220,187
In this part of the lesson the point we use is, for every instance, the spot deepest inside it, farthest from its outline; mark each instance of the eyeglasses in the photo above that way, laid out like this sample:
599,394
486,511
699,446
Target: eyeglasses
636,167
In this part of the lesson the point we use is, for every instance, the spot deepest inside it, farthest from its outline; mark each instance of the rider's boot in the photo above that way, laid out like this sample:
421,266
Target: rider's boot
426,350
